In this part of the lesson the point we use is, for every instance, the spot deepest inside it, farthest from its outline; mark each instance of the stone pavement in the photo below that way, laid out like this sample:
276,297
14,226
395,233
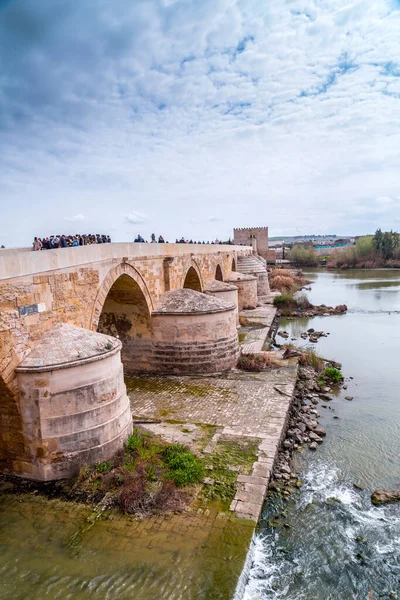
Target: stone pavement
239,404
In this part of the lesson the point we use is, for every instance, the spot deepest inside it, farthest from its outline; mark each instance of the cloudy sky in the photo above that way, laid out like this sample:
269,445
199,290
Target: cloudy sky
190,117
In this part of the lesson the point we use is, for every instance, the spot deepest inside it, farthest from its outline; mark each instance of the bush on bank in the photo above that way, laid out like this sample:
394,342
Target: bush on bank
304,256
290,301
287,281
147,476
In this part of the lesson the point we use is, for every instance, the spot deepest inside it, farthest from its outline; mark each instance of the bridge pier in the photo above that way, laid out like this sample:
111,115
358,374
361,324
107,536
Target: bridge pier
73,402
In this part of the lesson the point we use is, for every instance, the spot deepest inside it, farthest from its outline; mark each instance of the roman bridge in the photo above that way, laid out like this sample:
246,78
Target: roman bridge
67,316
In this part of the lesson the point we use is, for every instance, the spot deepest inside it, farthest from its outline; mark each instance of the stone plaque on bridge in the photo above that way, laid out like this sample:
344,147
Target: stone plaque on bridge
31,309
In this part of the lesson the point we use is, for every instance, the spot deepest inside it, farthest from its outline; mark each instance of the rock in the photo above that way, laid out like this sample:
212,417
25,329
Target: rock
333,500
384,495
283,334
284,469
285,476
302,427
313,446
208,480
314,400
340,309
320,431
303,335
311,424
348,398
357,487
287,444
311,330
314,437
345,387
277,476
335,417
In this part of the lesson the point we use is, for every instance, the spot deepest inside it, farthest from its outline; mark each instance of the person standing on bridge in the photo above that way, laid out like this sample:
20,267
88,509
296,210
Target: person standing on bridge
37,244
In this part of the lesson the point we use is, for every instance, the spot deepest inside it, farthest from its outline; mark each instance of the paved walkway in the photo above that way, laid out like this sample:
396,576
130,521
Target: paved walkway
240,404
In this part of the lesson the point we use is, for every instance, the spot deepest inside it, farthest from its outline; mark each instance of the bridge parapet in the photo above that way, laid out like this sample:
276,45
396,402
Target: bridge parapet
22,263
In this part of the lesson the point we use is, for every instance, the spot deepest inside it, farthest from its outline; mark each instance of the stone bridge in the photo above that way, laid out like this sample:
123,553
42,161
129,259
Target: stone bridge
68,315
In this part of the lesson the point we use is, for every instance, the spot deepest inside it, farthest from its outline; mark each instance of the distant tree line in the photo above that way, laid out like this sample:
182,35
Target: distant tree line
370,251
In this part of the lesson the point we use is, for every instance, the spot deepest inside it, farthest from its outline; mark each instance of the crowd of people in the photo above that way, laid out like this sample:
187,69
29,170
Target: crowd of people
182,240
68,241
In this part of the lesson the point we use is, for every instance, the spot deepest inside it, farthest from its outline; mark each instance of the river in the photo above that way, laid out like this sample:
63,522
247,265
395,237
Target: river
333,544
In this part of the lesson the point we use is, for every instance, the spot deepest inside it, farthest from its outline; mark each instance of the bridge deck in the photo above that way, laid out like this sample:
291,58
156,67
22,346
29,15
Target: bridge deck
22,263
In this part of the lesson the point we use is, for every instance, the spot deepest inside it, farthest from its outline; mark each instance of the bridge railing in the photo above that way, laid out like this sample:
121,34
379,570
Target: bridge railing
18,264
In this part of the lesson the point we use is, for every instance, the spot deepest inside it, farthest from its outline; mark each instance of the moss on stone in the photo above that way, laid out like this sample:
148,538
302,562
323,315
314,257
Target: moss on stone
158,385
232,455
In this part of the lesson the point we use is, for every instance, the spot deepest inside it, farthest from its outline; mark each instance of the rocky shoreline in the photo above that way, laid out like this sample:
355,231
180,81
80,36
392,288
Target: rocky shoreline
303,427
316,311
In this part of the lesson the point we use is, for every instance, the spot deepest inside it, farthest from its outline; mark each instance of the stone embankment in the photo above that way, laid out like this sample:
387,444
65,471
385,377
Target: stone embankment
304,428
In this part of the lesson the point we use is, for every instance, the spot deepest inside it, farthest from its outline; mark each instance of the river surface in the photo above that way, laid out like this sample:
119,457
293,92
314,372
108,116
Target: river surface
333,544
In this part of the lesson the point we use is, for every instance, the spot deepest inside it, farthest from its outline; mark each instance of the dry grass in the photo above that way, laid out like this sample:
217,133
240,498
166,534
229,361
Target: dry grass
255,363
282,283
281,272
309,358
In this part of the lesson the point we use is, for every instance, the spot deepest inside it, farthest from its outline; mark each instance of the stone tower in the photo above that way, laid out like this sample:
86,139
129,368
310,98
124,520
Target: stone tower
253,236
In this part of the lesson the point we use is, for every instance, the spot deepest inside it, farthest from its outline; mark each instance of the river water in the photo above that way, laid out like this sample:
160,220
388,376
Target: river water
332,543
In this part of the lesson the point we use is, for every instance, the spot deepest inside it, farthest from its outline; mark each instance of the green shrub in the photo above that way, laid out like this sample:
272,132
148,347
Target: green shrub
103,467
135,440
183,466
292,301
333,374
283,300
302,255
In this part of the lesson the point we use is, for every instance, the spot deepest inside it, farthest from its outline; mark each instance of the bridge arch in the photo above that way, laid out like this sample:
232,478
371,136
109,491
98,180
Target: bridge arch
193,279
110,279
123,309
218,273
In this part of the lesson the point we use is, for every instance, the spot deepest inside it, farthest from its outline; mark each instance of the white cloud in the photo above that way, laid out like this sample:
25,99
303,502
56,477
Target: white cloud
136,218
384,200
75,218
286,113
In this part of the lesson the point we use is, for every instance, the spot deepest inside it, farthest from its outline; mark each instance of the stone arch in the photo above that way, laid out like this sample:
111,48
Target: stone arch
126,314
193,278
218,273
233,267
111,277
